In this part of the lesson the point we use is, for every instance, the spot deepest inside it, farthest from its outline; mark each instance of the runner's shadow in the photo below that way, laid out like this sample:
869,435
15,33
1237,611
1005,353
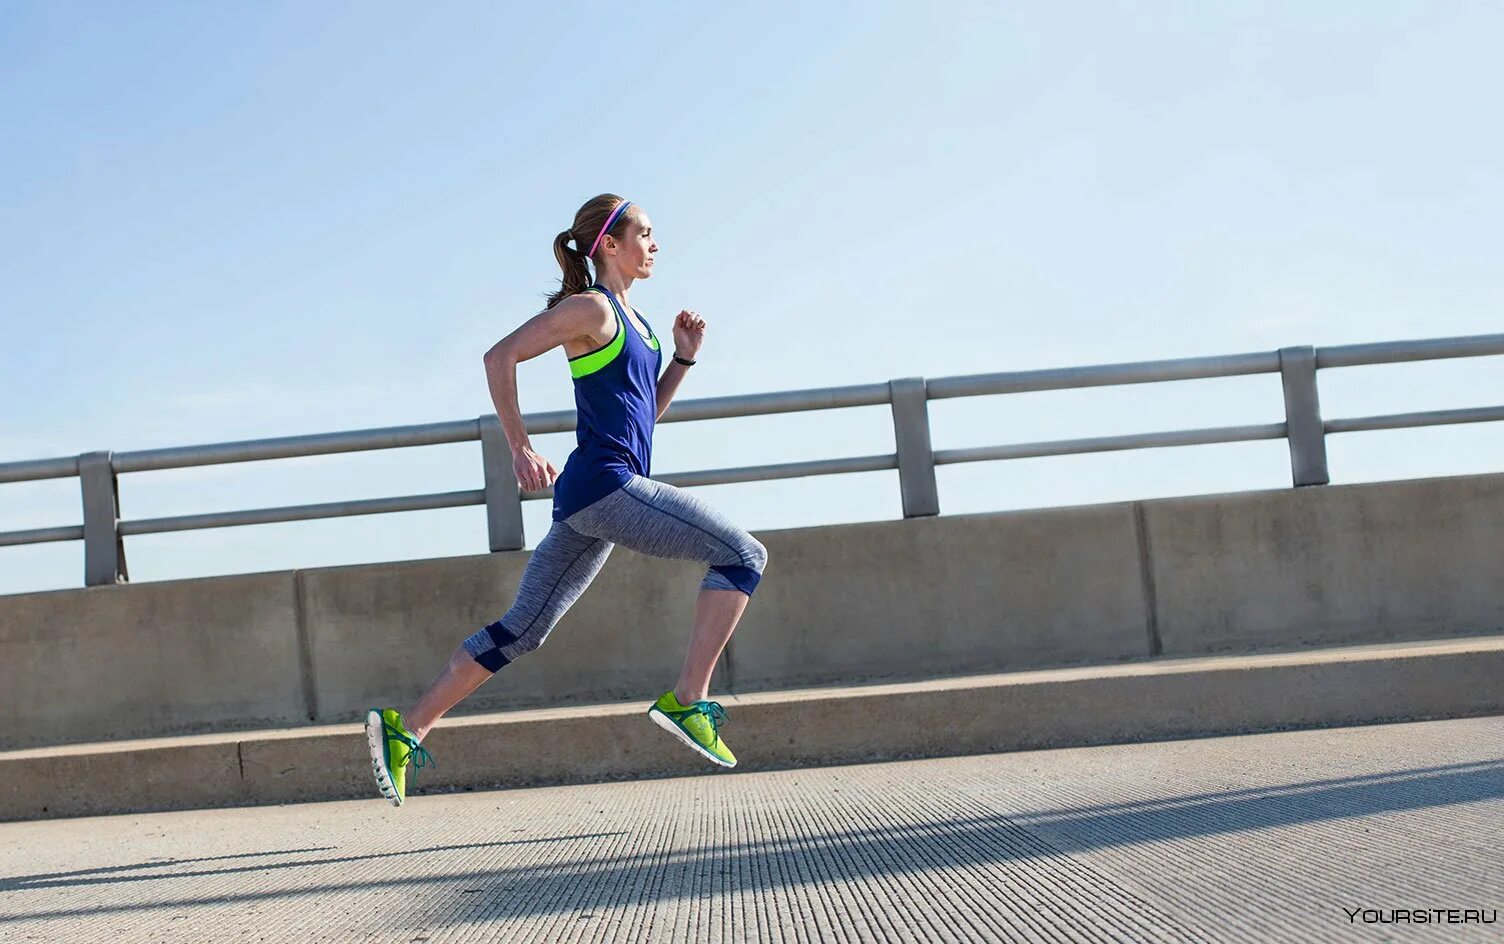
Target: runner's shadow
12,883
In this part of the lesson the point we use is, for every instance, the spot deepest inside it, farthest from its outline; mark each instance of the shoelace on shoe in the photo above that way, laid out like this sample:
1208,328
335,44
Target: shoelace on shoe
417,753
713,711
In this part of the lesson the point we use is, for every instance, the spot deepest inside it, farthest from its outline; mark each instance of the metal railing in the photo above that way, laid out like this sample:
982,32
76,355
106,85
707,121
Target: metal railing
103,532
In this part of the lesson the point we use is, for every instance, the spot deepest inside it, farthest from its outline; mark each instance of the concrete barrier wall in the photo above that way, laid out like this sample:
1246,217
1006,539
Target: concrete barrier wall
944,596
171,657
882,600
1418,559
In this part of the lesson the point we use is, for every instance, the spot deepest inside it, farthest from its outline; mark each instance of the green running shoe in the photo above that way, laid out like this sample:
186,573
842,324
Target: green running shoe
392,746
697,725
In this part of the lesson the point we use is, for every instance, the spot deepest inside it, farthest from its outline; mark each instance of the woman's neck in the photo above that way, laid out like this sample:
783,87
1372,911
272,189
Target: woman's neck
618,284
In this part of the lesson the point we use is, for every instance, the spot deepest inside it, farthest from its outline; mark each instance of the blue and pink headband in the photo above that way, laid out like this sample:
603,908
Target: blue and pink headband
609,220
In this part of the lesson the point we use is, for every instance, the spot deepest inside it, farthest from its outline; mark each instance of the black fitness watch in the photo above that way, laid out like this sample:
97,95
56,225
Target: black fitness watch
680,360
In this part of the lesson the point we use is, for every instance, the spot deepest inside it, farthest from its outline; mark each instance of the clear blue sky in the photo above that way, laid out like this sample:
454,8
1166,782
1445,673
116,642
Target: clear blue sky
234,221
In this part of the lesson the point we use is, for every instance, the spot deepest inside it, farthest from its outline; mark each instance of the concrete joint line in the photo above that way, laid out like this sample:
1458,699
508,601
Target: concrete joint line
305,648
1146,571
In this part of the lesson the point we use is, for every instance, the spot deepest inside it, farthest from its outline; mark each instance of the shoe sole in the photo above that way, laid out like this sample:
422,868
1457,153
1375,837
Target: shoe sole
666,723
374,735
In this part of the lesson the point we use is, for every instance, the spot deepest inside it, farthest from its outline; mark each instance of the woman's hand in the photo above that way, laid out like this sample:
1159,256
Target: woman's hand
534,473
689,334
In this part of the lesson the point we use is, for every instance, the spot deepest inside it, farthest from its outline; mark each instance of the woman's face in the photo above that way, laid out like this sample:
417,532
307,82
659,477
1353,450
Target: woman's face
634,251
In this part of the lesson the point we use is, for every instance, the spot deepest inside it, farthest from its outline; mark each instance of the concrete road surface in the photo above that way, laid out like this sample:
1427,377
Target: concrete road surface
1325,835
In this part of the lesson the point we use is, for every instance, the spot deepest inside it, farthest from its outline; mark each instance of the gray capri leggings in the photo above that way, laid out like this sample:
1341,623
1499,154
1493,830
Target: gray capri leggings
647,516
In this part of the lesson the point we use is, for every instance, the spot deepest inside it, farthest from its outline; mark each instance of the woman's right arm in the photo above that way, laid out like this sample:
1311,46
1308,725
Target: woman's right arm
572,317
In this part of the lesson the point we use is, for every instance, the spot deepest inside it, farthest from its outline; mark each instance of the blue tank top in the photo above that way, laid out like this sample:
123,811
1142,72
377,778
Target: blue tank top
616,404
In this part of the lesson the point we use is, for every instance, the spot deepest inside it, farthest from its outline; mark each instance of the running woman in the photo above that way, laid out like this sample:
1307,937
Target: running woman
602,498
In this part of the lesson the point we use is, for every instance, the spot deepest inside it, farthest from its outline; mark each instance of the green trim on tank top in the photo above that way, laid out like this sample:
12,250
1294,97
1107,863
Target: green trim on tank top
652,339
587,364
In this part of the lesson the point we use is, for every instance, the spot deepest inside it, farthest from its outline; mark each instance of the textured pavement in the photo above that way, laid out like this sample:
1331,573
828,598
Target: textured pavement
1263,837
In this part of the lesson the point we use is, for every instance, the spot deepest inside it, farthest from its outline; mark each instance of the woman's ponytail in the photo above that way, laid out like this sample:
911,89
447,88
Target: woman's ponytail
587,226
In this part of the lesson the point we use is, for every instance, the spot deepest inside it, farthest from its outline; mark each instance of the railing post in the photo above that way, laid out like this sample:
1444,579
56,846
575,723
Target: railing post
503,491
1303,425
916,459
104,552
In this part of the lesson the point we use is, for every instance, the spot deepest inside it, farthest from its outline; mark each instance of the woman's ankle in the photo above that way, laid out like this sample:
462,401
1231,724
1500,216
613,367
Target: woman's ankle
419,732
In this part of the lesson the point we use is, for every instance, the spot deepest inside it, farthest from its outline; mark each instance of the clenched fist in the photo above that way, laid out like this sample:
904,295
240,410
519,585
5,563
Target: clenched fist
534,473
689,334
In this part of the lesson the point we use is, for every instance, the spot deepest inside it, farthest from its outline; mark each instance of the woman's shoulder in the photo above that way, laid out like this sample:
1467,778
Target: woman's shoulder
593,297
588,300
584,315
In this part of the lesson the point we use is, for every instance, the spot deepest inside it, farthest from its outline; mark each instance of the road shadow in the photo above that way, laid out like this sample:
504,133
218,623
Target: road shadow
114,874
812,852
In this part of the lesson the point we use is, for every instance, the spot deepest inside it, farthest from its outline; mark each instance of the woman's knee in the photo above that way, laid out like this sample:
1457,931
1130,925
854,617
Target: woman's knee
759,554
744,575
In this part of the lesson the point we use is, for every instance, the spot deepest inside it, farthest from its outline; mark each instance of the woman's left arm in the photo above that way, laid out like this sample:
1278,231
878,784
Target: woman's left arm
689,334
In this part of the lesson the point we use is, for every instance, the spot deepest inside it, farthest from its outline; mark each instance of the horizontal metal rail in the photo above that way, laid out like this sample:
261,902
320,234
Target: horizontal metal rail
68,532
784,470
1395,352
1484,414
1068,447
1102,375
369,506
768,403
377,506
289,447
34,470
915,460
432,434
